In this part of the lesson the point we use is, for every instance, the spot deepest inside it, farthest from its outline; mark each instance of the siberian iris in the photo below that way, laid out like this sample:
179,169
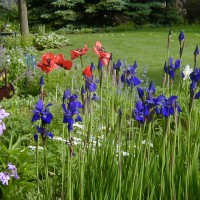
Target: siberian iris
71,109
129,76
42,112
172,67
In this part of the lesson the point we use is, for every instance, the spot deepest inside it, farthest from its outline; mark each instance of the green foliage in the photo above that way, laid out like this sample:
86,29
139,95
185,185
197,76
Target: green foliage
50,41
103,13
192,10
123,160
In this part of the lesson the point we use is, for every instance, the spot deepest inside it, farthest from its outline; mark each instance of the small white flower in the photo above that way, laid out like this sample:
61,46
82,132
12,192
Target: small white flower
125,153
187,71
78,125
76,140
150,144
34,147
58,139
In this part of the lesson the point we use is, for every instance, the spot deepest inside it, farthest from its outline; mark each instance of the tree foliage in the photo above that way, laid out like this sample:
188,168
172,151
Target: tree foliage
191,8
60,13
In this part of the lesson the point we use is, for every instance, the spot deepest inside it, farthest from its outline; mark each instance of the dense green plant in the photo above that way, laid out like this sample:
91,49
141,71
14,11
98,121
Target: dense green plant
50,41
114,155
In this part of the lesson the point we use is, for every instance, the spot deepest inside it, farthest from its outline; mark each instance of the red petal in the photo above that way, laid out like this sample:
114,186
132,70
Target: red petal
67,64
87,71
60,59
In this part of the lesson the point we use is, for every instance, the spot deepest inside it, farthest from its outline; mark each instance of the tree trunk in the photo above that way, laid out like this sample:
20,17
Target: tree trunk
23,17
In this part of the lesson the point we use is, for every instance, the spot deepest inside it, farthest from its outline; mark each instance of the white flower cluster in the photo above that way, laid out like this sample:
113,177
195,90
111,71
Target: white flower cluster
11,60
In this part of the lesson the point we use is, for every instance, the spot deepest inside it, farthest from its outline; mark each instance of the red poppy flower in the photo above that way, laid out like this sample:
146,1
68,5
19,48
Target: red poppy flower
87,71
60,59
101,52
67,64
79,52
48,63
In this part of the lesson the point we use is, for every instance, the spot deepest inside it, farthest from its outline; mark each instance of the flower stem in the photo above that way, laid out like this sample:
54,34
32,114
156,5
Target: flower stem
63,164
46,171
37,171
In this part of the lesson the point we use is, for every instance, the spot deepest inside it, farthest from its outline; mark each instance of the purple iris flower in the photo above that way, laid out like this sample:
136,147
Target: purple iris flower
68,117
181,36
129,76
169,105
41,81
92,67
132,69
35,136
146,107
197,96
196,51
195,75
118,65
44,132
82,90
66,94
151,89
90,85
142,111
172,67
42,113
95,97
100,64
140,92
71,109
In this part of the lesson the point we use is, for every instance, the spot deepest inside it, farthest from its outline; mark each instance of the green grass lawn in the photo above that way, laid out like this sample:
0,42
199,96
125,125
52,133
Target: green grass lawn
147,46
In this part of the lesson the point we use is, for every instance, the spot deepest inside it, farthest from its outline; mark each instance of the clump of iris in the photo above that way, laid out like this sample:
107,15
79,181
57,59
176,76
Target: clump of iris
148,105
43,114
129,76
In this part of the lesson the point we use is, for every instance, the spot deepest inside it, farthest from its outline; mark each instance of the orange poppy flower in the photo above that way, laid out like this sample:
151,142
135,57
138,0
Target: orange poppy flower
87,72
79,52
48,63
101,52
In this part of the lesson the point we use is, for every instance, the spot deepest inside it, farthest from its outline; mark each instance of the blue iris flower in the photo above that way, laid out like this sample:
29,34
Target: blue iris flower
90,85
196,51
129,76
100,64
35,136
68,117
197,96
71,109
195,75
43,132
118,65
92,67
42,112
41,81
169,105
172,67
140,92
181,36
148,105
